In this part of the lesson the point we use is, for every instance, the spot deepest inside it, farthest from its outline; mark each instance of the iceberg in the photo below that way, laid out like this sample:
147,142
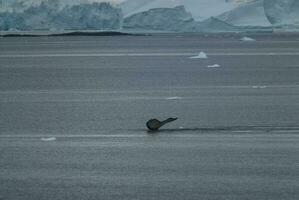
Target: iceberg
48,139
201,55
247,39
174,98
259,87
213,66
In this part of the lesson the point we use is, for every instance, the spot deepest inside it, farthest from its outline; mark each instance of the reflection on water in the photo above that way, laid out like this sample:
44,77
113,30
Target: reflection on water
232,129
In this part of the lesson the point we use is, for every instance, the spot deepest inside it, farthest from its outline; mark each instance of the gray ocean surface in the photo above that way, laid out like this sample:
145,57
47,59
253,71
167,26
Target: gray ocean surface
73,113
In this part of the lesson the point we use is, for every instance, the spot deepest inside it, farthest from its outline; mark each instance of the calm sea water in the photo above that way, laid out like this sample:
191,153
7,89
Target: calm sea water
73,113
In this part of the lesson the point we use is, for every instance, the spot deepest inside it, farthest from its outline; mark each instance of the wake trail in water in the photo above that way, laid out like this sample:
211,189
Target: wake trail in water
181,131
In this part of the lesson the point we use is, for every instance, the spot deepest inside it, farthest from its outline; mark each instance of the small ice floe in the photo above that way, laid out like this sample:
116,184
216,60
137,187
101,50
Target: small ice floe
213,66
201,55
259,87
48,139
13,30
247,39
53,29
173,98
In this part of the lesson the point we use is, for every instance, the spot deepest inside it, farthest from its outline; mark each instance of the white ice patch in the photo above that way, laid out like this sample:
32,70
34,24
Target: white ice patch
213,66
259,87
201,55
247,39
173,98
48,139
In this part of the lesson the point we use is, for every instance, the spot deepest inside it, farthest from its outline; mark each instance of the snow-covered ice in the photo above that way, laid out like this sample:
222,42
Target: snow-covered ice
247,39
213,66
173,98
259,87
201,55
48,139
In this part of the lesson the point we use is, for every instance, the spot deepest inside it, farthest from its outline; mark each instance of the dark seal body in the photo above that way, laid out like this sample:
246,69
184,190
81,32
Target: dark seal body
154,124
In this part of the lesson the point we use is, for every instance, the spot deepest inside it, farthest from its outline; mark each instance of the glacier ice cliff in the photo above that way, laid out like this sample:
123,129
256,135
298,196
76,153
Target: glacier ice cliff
170,19
213,25
175,19
147,16
247,14
200,9
51,16
282,12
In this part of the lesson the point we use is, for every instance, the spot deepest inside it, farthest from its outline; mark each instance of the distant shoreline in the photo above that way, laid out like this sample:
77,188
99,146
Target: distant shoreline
214,35
73,33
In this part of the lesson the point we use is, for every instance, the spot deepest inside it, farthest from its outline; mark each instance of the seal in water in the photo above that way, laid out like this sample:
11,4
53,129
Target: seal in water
154,124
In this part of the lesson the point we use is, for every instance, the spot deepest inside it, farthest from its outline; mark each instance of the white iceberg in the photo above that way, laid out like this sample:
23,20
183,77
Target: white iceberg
201,55
173,98
259,87
48,139
213,66
247,39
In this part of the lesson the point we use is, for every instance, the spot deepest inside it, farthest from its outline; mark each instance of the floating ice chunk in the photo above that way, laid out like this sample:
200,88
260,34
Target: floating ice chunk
213,66
173,98
201,55
247,39
53,29
259,87
13,30
48,139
